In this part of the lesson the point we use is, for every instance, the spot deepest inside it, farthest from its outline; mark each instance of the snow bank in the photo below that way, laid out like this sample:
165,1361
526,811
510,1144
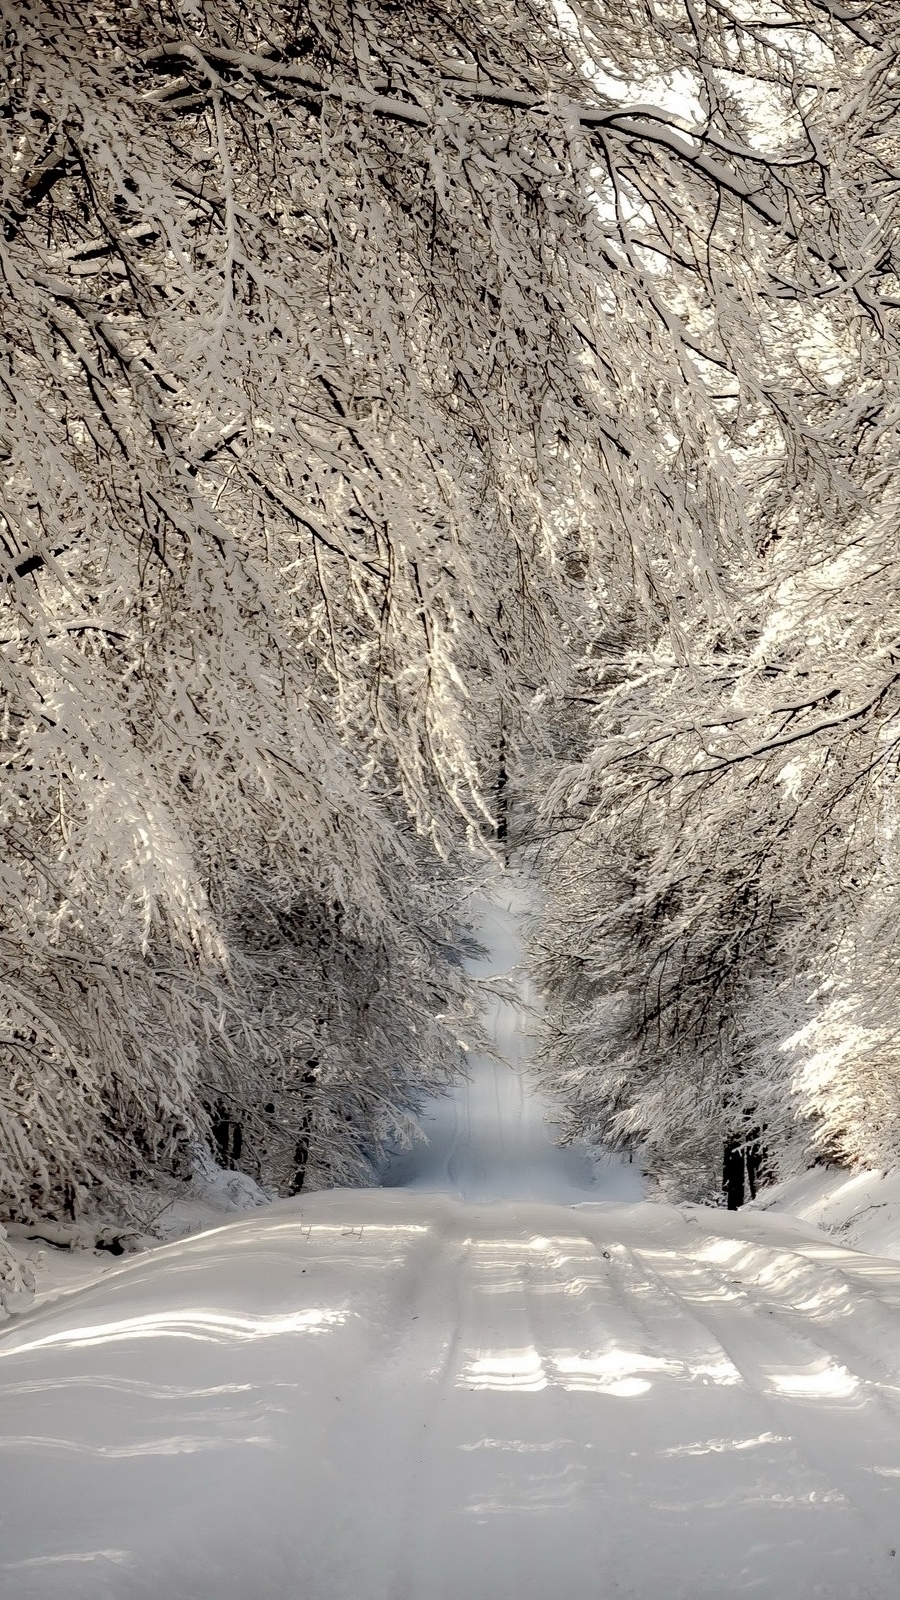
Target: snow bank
48,1259
861,1208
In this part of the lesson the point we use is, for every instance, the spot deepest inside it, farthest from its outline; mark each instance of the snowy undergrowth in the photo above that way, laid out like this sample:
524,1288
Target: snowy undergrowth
862,1209
42,1260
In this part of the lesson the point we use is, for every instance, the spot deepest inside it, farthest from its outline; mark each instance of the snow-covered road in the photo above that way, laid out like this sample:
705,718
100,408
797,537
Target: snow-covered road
479,1383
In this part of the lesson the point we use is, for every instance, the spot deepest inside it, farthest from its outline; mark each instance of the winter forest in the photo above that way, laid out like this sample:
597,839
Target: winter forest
431,434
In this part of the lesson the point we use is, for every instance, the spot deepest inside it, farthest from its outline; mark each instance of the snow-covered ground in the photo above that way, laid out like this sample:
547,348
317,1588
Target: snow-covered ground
485,1382
859,1209
54,1259
492,1138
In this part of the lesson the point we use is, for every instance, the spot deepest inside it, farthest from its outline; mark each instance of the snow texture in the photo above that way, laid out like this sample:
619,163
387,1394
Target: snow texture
861,1209
453,1389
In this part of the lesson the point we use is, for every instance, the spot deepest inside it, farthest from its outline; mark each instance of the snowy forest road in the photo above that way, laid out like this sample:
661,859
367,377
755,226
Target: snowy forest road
479,1382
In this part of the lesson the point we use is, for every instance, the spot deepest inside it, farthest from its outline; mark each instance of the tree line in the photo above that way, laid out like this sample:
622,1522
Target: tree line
394,394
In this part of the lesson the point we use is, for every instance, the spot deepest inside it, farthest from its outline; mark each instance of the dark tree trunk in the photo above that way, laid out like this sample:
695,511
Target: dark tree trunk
301,1149
733,1168
228,1136
503,797
755,1155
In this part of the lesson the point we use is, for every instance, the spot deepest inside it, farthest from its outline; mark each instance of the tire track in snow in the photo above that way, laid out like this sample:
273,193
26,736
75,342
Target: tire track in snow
854,1320
524,1400
809,1402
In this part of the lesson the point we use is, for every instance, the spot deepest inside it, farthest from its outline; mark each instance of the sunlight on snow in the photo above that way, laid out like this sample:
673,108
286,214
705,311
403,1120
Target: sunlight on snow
519,1446
619,1372
505,1319
175,1445
133,1386
828,1382
615,1372
213,1326
512,1369
723,1372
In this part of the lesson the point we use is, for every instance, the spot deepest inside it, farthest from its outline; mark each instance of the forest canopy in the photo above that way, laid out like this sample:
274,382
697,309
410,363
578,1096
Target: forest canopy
392,396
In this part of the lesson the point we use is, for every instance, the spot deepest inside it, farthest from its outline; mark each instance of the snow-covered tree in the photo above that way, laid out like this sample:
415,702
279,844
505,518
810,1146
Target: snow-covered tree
353,356
719,955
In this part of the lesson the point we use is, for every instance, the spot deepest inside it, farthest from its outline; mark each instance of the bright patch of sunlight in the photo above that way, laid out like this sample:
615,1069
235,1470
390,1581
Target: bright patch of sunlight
615,1372
722,1251
511,1369
213,1326
825,1383
722,1372
620,1373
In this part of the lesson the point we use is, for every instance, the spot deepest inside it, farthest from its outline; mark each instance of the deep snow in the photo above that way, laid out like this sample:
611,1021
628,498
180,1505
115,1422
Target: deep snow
482,1383
860,1209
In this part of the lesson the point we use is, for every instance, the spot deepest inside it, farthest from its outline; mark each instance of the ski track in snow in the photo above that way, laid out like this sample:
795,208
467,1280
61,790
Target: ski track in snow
503,1376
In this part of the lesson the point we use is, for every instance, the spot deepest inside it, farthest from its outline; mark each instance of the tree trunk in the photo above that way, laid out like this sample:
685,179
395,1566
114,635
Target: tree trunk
733,1168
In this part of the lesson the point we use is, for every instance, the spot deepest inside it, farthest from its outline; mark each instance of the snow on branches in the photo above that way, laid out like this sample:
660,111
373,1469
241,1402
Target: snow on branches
352,356
719,959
